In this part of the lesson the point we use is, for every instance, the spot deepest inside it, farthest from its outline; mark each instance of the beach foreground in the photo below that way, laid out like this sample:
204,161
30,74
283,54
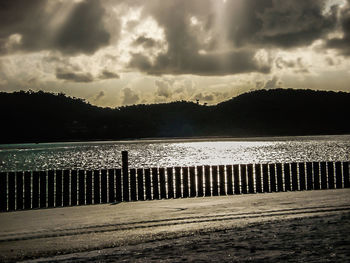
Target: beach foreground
294,226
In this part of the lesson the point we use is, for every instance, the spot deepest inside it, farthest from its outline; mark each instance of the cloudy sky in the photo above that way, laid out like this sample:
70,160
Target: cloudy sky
116,53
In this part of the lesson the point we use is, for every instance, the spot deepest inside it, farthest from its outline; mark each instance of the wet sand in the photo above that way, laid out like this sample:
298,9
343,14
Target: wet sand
294,226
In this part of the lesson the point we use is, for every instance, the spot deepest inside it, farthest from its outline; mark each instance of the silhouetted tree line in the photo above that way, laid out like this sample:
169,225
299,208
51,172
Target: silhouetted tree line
41,117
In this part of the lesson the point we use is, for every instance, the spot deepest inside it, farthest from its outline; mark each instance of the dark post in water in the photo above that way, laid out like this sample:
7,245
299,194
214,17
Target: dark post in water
125,171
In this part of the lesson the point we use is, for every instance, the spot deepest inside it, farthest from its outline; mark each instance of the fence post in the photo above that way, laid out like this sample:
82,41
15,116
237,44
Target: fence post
148,184
222,180
162,183
302,176
118,185
258,178
229,179
279,177
185,191
214,183
74,187
265,170
346,174
133,184
323,175
103,186
200,191
19,188
155,183
272,177
178,182
294,168
236,179
244,178
316,168
125,172
193,192
250,179
42,189
338,175
111,189
207,180
3,191
51,188
27,190
330,172
140,191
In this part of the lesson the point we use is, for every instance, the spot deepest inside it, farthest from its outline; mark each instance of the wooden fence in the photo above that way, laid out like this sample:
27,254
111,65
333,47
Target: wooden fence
57,188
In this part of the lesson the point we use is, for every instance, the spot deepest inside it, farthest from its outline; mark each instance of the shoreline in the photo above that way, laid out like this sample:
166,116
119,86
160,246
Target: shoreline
180,139
32,234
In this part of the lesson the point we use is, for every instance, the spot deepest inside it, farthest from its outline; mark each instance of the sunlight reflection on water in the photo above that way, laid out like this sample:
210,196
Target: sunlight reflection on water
99,155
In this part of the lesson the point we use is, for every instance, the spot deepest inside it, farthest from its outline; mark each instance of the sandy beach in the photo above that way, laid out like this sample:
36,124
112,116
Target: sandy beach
304,226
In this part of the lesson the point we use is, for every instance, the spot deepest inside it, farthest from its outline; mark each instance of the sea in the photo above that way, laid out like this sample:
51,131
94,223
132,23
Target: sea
173,152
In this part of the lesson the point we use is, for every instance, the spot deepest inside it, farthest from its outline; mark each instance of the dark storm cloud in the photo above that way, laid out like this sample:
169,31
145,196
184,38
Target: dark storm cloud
184,44
73,76
278,23
248,26
81,32
343,43
130,96
106,74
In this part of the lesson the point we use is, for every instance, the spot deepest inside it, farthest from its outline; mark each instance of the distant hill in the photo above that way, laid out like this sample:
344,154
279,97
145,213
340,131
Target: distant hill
43,117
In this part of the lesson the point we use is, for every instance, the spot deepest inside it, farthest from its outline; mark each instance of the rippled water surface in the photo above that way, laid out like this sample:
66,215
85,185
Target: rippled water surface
162,153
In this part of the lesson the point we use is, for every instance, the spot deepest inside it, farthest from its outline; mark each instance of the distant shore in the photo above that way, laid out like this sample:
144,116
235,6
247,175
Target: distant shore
184,139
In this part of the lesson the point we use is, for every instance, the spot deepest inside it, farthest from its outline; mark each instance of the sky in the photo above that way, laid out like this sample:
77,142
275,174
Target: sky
123,52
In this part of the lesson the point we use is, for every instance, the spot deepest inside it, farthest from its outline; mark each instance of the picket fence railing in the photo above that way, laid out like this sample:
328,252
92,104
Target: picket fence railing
58,188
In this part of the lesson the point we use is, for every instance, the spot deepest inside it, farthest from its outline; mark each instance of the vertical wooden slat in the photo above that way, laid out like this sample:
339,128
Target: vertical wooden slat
19,189
51,188
178,182
81,187
185,176
236,179
330,173
155,183
111,186
74,187
272,177
214,175
133,192
279,177
148,186
118,185
3,191
222,180
323,175
97,180
287,177
294,168
59,187
27,190
244,178
193,192
346,174
229,174
88,187
42,189
207,180
302,176
258,178
11,191
309,176
125,172
250,179
162,182
140,191
35,190
265,170
338,175
66,190
316,170
200,185
103,186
